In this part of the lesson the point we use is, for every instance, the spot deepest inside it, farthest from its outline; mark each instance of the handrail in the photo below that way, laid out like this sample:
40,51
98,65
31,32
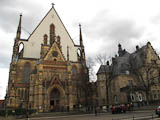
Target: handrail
152,116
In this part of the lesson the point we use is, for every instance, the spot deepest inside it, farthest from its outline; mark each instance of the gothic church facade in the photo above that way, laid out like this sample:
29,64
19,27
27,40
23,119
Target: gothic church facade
50,71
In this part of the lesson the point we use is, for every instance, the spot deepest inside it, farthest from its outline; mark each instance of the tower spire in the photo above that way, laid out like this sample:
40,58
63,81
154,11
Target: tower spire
80,36
81,44
19,28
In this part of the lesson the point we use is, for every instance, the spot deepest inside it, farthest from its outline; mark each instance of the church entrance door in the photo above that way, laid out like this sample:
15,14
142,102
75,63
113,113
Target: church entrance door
55,100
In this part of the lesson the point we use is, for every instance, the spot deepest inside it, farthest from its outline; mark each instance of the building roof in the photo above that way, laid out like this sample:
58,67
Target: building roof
126,61
121,64
137,58
103,69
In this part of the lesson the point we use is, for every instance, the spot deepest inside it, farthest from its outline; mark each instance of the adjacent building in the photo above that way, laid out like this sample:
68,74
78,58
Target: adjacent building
130,78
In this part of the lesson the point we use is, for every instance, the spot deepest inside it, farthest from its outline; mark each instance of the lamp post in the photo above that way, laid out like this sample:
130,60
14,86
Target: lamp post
6,110
15,96
27,101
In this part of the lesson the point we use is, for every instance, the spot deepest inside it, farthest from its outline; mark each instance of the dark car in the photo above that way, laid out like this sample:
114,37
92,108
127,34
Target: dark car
118,109
157,110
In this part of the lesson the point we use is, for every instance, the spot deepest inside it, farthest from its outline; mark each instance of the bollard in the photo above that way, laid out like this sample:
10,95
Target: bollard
133,117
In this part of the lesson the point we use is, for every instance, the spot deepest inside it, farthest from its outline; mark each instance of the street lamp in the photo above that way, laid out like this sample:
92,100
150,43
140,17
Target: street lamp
6,110
27,100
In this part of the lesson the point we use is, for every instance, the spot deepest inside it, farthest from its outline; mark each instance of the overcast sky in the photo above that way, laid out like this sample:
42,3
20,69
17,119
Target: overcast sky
105,23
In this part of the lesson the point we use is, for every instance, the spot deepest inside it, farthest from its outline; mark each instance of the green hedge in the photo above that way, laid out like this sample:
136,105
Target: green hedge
16,112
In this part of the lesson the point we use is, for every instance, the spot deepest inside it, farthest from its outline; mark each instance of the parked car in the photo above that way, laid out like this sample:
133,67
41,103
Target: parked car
118,109
157,111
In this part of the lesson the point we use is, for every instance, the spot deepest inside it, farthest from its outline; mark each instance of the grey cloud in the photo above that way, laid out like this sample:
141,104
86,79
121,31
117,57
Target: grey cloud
111,31
10,11
123,30
4,61
5,54
155,19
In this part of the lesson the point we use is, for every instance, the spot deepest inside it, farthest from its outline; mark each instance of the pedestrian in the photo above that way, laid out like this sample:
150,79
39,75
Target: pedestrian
128,107
123,108
131,105
95,111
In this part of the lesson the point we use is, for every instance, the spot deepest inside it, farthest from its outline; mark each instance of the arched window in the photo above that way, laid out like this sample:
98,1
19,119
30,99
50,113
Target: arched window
74,70
19,92
133,97
58,40
140,98
115,99
52,34
26,76
20,49
26,94
52,28
22,93
21,46
45,39
79,52
159,77
10,101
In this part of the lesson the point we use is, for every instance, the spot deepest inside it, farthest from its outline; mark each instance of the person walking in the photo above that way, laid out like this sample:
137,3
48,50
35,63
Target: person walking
95,110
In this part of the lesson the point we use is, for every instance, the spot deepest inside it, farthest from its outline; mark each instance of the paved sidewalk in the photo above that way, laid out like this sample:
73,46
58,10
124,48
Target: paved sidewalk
62,115
149,107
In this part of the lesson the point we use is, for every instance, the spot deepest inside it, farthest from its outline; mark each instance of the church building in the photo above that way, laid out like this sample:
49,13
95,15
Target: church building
49,72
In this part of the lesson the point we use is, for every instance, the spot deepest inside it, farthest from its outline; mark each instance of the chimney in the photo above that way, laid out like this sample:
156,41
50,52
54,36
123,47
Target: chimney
107,63
137,48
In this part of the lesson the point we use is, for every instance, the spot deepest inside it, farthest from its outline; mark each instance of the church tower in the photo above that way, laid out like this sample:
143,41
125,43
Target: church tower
11,93
16,41
83,59
45,75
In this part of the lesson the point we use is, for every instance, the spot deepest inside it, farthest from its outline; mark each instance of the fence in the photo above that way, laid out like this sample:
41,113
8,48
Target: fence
150,117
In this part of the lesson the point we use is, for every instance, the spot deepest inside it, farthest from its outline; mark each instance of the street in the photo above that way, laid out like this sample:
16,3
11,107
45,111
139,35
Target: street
134,115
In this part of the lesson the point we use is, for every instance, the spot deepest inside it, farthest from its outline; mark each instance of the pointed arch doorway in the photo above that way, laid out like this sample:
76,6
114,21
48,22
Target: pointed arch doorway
55,100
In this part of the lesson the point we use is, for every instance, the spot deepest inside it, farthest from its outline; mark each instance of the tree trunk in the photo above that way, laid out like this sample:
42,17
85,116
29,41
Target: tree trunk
147,97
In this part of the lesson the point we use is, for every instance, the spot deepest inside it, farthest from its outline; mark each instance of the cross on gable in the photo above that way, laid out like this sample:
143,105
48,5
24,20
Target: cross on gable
52,5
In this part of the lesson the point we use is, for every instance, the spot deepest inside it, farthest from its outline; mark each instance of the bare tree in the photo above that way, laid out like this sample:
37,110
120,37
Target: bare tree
90,65
101,58
86,76
107,69
147,76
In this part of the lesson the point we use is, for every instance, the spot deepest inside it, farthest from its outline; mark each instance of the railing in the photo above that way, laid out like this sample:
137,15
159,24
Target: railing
150,117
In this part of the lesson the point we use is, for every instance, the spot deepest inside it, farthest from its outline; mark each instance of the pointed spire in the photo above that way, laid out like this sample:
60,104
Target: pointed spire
67,53
80,36
19,28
